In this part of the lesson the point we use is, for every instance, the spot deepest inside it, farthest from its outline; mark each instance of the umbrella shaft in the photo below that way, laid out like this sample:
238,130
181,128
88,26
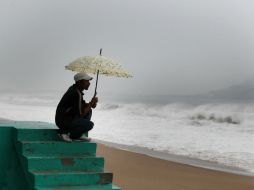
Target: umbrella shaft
97,77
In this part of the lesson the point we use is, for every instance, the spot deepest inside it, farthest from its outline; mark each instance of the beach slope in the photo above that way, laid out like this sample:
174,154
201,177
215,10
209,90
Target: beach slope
133,171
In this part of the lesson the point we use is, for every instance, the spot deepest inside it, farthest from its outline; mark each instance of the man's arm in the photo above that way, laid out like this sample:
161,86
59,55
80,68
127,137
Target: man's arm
89,106
86,109
94,102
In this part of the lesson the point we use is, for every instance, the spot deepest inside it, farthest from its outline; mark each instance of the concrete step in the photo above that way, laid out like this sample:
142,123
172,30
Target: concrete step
52,164
38,135
97,187
89,164
56,178
57,148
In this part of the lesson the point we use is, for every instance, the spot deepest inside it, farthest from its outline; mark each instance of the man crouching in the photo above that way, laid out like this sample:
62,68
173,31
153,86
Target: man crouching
73,114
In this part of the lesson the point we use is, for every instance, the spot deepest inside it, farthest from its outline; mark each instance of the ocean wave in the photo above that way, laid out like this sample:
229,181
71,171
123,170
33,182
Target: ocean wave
110,106
218,113
218,132
218,119
29,99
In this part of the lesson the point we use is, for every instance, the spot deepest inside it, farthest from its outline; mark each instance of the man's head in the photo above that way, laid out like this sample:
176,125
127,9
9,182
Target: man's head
82,80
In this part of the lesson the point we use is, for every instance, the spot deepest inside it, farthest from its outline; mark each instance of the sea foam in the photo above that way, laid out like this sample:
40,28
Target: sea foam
217,132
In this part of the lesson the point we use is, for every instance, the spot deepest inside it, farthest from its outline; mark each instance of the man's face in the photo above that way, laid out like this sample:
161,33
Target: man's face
84,84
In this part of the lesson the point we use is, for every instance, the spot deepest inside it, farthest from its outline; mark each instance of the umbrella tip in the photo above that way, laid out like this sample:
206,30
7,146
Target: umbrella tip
100,51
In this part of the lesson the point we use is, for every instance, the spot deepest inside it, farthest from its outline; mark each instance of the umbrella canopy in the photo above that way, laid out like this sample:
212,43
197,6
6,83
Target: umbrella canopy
92,64
98,64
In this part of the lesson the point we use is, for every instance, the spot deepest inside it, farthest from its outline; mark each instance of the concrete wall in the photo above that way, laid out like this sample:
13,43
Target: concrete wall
11,172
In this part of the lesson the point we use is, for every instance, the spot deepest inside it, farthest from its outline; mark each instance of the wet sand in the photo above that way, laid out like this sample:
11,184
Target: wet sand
135,171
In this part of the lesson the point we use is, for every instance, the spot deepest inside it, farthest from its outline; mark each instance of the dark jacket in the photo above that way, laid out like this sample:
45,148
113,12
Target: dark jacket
69,107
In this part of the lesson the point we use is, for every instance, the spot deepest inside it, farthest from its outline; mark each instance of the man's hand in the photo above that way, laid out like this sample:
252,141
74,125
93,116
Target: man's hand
93,102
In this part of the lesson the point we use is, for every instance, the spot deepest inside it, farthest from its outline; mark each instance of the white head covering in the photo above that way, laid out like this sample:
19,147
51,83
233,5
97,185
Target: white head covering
82,76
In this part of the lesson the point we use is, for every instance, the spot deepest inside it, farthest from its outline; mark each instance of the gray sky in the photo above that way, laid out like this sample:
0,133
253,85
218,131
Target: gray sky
170,46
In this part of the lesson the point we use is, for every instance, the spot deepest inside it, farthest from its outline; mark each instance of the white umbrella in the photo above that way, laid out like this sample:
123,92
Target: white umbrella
98,64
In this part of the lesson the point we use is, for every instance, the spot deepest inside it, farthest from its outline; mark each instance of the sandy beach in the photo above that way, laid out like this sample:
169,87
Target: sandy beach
134,171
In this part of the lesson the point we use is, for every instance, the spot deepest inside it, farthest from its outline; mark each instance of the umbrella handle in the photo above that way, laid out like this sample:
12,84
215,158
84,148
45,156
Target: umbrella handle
97,77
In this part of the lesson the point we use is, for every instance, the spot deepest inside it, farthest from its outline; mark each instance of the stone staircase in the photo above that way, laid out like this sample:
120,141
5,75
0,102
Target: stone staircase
51,164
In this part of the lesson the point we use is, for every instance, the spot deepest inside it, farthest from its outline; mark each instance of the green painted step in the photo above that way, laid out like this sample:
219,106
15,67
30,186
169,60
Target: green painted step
53,148
38,135
56,178
52,164
89,164
97,187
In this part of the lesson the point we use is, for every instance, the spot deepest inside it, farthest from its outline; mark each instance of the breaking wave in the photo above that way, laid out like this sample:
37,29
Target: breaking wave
220,132
218,119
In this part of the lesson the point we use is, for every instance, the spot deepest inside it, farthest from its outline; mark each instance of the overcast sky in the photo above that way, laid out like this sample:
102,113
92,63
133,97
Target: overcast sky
169,46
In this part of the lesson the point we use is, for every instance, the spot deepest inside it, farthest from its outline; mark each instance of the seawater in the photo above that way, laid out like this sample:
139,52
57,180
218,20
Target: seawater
217,131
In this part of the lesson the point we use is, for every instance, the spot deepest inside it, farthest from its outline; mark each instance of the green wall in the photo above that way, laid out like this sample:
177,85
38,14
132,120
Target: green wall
11,173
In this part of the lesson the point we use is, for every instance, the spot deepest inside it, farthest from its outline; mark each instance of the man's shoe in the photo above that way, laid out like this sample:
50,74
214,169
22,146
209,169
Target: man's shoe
65,137
83,139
